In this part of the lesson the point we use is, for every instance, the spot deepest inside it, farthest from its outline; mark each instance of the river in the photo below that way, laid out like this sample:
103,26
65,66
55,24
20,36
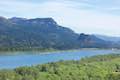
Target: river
33,58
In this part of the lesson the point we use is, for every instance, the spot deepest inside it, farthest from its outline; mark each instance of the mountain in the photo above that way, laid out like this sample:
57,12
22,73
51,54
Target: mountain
108,38
91,41
44,33
35,33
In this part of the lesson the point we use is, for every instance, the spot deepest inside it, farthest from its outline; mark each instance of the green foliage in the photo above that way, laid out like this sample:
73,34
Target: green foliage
37,34
102,67
19,34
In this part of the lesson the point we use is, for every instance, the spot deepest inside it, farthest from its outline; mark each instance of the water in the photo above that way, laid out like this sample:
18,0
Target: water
34,58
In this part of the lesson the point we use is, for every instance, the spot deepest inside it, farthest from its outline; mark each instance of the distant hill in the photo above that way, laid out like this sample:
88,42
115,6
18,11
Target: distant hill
43,33
108,38
92,41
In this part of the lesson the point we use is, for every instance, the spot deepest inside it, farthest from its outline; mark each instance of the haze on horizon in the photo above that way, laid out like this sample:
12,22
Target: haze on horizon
83,16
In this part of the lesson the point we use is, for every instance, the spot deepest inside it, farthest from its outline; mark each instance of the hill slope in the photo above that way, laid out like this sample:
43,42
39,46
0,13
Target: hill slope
109,38
91,41
35,33
44,33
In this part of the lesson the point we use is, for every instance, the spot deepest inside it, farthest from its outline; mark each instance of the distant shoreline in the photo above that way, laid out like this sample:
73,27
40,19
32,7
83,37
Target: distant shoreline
52,50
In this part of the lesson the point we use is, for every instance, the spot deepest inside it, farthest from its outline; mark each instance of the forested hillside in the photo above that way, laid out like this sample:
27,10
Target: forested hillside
102,67
38,33
44,34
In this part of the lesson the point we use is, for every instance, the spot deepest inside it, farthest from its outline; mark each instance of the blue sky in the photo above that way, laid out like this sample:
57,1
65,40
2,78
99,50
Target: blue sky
88,16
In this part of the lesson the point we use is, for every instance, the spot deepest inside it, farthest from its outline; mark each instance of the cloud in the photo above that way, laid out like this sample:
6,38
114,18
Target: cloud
98,16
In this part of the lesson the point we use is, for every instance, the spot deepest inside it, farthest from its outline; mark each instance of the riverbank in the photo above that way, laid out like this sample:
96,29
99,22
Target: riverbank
100,67
47,51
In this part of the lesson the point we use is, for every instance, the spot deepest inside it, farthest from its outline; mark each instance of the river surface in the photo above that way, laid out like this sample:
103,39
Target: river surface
33,58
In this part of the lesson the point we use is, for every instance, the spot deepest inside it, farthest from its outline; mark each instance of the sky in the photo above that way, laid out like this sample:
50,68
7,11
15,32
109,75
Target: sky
82,16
